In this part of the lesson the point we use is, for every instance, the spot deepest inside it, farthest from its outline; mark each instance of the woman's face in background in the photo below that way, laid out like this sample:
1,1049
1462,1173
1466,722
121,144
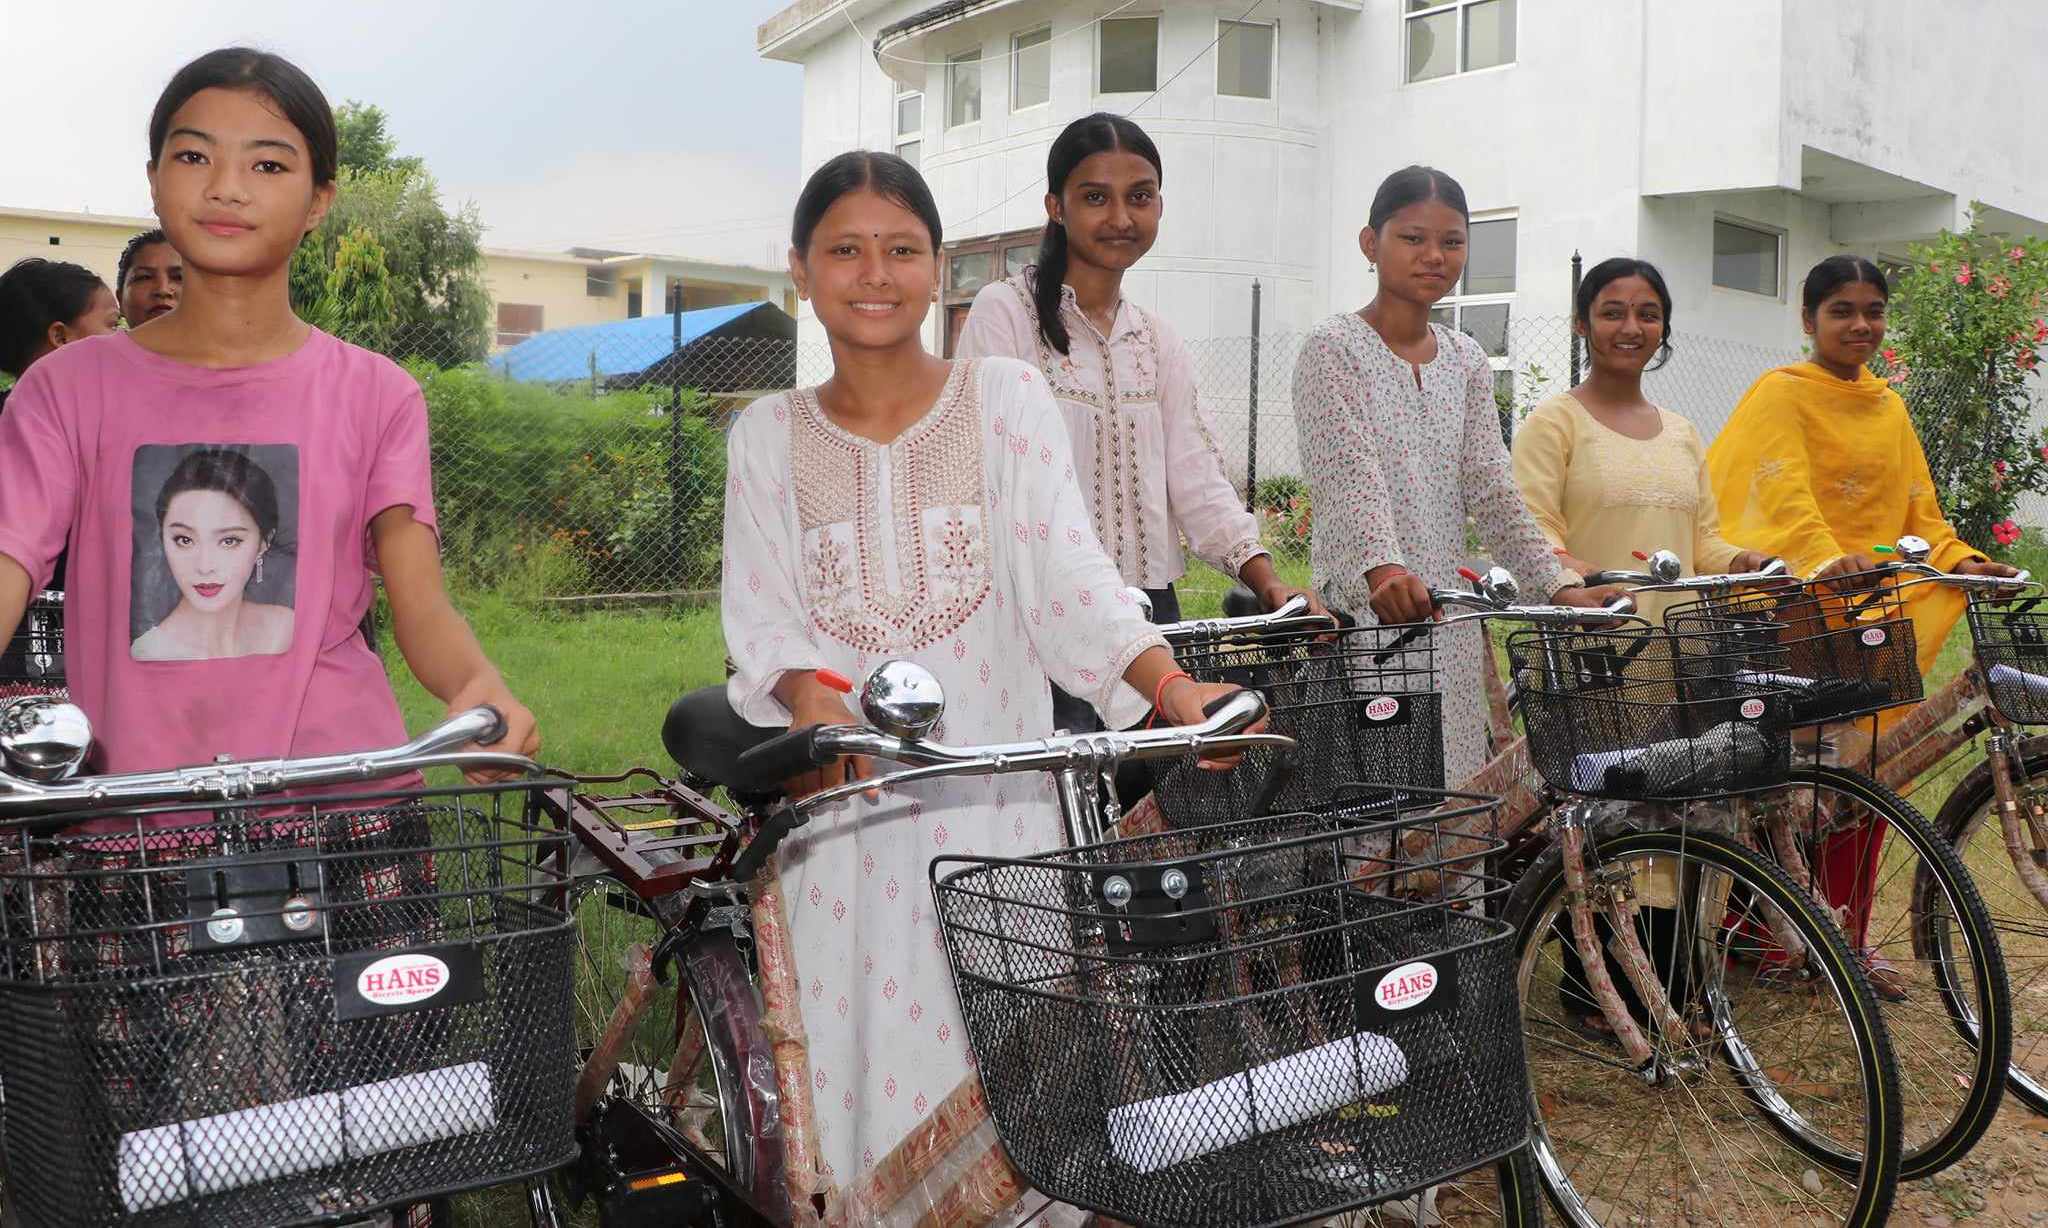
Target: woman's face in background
211,543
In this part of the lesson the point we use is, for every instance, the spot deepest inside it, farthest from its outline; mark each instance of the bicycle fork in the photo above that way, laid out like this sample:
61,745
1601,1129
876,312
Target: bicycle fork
2027,845
1588,887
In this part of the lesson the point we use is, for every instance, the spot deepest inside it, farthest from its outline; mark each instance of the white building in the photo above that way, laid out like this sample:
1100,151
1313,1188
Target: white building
1733,143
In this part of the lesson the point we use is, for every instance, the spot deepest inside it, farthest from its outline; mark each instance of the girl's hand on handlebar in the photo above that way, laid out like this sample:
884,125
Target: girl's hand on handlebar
1279,593
522,732
1748,562
1399,595
1185,702
1985,567
818,704
1588,598
1847,566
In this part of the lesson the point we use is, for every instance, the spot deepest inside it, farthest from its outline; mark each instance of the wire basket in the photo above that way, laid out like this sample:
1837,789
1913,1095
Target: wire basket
268,1014
32,661
1648,715
1360,704
1246,1023
1839,652
2011,639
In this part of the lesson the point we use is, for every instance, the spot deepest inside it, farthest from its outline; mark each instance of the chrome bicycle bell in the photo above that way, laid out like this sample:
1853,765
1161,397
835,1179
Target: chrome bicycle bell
902,699
1664,565
1913,549
1499,586
43,739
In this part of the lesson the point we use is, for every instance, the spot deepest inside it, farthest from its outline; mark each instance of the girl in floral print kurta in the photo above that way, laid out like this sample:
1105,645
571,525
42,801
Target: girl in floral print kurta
868,520
1402,443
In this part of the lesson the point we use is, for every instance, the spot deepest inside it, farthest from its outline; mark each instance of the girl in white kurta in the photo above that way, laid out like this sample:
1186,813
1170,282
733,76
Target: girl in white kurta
1401,446
959,540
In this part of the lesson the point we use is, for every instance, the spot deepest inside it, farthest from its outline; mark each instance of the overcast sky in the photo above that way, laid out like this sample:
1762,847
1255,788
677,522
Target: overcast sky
644,124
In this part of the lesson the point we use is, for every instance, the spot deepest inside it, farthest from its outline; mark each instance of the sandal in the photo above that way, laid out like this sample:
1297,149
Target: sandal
1886,981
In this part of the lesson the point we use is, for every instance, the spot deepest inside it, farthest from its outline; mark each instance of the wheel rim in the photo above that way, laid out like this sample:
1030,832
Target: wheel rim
2023,937
1613,1143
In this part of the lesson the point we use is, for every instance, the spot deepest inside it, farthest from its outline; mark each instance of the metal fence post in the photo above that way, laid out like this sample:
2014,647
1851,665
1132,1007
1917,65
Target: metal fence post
1251,445
1578,271
675,426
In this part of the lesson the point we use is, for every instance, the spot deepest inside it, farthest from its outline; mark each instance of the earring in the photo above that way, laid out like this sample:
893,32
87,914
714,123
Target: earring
259,569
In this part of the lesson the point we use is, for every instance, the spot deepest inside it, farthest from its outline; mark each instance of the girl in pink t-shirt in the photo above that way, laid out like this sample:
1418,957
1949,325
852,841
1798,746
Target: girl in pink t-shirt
232,479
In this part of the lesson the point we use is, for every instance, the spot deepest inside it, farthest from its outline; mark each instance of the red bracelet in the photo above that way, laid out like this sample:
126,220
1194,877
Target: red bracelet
1159,692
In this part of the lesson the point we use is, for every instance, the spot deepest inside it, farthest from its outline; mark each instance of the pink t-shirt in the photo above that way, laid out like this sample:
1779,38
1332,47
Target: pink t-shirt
220,551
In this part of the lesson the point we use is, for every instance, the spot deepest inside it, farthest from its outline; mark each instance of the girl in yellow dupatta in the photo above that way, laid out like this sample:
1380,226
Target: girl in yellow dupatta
1820,463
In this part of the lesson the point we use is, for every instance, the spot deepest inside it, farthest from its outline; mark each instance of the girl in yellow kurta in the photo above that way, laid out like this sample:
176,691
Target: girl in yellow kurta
1604,471
1819,464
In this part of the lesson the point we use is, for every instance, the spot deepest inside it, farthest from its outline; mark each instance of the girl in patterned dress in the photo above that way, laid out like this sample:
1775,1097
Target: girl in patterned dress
910,508
1402,443
1146,455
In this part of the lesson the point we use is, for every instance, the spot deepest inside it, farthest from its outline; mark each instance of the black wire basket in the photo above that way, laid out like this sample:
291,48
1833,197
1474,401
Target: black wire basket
1359,702
2011,639
32,660
265,1014
1257,1022
1643,714
1839,651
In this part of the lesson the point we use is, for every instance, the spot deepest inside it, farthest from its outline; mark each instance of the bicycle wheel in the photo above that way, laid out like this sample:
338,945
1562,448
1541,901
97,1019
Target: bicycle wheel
1782,1109
1968,821
685,1066
1504,1194
1907,905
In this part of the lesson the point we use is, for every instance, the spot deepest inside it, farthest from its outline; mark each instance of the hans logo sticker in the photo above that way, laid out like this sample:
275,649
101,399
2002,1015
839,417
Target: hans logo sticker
1384,708
402,980
1752,708
1873,637
1406,987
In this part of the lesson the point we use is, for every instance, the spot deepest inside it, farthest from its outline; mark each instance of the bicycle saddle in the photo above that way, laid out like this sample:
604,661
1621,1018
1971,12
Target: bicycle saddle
706,738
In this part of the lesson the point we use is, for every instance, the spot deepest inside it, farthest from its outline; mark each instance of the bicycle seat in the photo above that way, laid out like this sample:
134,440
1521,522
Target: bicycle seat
706,738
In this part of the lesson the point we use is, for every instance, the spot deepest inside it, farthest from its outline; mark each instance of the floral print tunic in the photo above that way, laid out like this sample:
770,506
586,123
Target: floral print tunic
1394,470
962,545
1145,453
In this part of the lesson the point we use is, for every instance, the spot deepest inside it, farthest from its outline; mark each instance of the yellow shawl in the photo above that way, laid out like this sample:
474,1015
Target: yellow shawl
1812,467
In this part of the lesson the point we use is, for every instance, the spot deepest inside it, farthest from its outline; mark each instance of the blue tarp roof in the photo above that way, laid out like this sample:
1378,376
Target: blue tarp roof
622,347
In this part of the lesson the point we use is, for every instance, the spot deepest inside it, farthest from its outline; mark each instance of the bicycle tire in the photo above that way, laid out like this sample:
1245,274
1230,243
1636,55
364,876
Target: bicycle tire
1966,817
1974,994
717,983
1534,907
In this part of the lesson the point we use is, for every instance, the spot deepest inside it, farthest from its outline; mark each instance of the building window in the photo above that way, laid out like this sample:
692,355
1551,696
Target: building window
963,89
909,124
1031,69
517,322
972,264
1446,37
600,283
1128,56
1244,58
1747,258
1481,302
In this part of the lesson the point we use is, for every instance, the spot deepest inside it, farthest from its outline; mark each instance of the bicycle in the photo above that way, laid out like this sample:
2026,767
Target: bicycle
1919,925
260,993
1716,1057
32,661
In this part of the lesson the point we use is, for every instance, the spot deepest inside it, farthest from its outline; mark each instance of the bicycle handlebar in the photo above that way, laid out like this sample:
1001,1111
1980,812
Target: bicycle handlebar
229,781
821,744
1291,615
1621,608
1644,582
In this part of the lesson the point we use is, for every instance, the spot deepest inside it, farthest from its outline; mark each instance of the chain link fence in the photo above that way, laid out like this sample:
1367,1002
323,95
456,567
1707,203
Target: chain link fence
590,463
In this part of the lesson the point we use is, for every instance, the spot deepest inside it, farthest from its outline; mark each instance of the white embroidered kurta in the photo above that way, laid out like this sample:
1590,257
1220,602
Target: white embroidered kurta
1393,472
1144,451
964,546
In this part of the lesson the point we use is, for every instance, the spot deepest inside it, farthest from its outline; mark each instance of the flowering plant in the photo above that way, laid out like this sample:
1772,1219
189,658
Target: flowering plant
1969,315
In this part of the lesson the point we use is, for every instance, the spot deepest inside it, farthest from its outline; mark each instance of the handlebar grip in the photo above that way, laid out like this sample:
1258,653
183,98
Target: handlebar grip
1623,603
783,756
495,731
1594,579
1251,709
781,821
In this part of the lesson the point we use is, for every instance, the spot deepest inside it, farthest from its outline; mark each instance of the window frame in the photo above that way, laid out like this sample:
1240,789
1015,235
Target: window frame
1102,26
1456,301
950,299
1775,233
499,332
903,137
1461,10
972,57
1272,59
1016,54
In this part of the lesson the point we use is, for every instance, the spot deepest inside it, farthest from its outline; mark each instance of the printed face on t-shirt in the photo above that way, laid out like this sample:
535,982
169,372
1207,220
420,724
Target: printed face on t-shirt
212,573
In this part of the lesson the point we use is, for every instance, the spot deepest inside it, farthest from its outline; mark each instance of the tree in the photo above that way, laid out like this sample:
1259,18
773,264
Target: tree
439,309
357,304
1969,316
